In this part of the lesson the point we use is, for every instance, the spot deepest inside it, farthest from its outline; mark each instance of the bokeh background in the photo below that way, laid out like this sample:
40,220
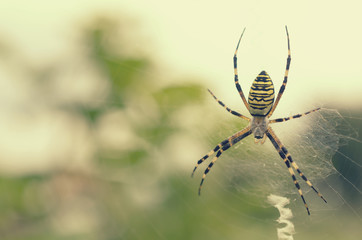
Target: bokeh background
104,113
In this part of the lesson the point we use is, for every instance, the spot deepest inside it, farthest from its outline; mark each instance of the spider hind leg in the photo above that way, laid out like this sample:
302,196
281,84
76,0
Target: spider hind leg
295,166
283,152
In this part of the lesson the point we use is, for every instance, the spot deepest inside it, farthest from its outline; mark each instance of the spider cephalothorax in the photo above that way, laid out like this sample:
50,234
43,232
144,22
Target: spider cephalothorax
259,126
261,106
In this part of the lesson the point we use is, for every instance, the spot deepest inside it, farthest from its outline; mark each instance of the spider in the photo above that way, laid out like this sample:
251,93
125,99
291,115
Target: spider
261,106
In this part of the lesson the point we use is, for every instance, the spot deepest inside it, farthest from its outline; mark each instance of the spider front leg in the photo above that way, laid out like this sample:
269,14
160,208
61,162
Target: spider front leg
228,109
220,148
236,78
282,88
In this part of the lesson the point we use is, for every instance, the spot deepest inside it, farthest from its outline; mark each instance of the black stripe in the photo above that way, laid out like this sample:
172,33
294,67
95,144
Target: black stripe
288,165
216,148
236,113
284,150
282,155
260,115
288,63
259,94
225,147
261,106
241,137
282,88
267,101
262,79
238,87
257,108
257,105
258,88
224,142
261,84
275,144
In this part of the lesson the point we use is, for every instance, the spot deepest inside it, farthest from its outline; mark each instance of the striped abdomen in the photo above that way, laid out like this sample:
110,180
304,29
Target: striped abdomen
261,95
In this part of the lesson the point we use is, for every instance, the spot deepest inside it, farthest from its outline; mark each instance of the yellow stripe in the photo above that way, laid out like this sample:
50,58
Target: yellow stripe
269,91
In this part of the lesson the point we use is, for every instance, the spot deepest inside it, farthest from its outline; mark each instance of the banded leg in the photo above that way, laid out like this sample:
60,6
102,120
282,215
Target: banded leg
209,167
271,136
208,155
292,117
222,144
226,145
228,109
238,87
282,88
295,166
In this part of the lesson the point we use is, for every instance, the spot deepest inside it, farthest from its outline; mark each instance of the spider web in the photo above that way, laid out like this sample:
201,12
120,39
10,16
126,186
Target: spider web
312,141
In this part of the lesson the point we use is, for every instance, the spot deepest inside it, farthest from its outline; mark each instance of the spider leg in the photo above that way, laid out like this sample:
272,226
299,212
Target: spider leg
226,144
238,87
275,141
282,88
208,155
295,166
222,144
210,165
228,109
293,117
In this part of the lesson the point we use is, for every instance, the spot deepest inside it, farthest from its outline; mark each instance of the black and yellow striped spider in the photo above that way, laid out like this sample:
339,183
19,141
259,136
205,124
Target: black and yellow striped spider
261,106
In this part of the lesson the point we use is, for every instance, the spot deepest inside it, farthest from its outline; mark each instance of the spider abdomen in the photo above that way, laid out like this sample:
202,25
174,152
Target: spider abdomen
261,95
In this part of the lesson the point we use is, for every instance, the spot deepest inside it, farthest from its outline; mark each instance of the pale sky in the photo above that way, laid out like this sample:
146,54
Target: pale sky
197,38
